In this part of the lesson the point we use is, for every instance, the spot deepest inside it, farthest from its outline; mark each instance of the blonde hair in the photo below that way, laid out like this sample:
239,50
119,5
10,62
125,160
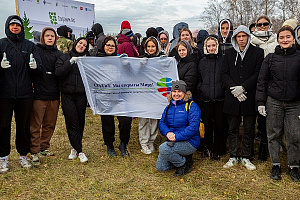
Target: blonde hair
192,43
186,97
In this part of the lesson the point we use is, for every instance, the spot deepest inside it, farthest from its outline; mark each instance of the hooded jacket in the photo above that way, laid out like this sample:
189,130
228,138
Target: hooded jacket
279,76
238,71
210,86
98,31
176,30
46,86
70,81
126,46
184,124
187,68
16,81
201,36
167,45
225,42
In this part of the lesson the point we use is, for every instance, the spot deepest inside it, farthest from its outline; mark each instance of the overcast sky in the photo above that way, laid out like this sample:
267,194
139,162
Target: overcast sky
141,14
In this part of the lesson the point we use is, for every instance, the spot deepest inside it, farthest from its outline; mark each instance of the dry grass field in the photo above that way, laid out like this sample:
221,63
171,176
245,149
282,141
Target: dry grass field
136,176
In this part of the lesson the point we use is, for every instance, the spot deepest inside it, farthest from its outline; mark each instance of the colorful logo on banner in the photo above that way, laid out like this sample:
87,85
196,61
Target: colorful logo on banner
53,19
166,85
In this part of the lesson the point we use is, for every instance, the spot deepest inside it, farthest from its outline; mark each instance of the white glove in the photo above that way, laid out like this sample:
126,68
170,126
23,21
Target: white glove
5,63
241,97
237,90
262,110
123,55
32,63
73,60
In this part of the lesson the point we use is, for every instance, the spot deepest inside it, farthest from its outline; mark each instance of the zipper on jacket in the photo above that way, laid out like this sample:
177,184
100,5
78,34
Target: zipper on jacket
284,74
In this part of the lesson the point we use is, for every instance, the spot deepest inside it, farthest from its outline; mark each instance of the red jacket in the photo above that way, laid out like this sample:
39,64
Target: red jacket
126,46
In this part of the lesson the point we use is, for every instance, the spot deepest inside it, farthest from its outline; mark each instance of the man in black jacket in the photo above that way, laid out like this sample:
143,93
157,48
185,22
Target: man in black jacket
20,63
240,71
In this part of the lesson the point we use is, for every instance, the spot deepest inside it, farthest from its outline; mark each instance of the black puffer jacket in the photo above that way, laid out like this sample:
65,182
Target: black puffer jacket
279,76
46,85
16,81
187,71
70,81
210,86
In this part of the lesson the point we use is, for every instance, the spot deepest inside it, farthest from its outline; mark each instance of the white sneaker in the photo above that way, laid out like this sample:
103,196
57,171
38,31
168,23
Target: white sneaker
247,163
146,150
82,157
4,166
73,154
24,162
35,159
231,162
151,147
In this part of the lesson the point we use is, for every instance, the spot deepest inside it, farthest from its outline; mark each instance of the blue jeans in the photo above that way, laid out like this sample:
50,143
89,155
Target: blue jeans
283,117
170,157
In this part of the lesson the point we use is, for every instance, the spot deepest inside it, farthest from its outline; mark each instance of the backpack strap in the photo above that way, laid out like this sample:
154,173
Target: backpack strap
188,105
167,112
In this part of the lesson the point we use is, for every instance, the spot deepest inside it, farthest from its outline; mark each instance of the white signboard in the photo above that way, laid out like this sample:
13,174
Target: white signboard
37,14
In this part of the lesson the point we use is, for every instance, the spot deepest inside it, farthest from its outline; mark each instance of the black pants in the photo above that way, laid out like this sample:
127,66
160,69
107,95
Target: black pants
247,137
22,110
213,119
261,126
108,128
74,107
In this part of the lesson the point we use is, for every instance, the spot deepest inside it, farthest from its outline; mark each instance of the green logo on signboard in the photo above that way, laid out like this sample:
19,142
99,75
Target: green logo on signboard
52,16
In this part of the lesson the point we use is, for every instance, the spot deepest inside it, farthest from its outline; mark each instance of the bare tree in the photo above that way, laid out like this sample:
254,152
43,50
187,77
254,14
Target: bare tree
212,15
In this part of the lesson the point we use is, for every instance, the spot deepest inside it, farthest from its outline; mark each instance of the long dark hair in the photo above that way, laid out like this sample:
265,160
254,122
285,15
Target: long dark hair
86,49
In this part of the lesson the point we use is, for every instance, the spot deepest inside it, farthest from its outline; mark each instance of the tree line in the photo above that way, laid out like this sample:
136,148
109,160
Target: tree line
247,11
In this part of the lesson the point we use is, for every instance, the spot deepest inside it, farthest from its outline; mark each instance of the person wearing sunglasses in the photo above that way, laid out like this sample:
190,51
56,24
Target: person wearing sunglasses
264,38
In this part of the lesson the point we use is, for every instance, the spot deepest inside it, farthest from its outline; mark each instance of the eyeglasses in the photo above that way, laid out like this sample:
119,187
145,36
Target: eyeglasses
260,24
110,45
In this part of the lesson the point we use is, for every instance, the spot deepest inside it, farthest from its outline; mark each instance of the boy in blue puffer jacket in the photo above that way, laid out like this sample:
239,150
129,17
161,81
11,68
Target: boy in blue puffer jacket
180,125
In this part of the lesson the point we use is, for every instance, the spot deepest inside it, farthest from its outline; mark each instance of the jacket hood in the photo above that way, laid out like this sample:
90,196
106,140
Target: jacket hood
14,37
177,28
123,38
167,34
215,38
235,45
227,38
158,46
63,31
42,41
97,29
297,34
201,36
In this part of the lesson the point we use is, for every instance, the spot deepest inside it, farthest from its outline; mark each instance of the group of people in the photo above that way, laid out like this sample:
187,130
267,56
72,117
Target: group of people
238,76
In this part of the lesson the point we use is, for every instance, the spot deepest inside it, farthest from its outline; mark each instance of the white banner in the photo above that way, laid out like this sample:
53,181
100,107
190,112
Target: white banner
134,87
37,14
